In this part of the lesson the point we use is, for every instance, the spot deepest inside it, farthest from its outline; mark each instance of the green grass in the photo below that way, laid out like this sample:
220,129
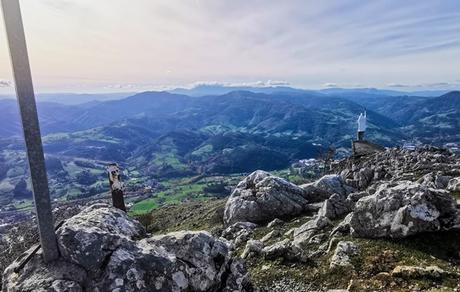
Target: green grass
294,178
72,169
206,149
456,194
23,204
168,159
175,193
144,206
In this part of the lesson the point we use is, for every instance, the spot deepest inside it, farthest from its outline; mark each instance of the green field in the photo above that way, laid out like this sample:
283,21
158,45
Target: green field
176,192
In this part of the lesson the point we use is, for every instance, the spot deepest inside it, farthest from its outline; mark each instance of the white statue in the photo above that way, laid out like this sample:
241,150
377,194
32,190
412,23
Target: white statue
362,124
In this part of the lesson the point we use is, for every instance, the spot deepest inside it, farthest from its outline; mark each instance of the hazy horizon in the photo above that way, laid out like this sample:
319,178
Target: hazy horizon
112,46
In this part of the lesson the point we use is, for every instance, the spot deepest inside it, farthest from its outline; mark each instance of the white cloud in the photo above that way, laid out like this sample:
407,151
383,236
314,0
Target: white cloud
179,42
425,85
330,84
277,83
268,83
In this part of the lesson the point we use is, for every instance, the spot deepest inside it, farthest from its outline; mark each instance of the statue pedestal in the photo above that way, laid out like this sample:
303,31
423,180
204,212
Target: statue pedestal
362,148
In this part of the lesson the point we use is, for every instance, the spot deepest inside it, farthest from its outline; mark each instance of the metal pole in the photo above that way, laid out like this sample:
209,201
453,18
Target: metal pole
31,129
116,186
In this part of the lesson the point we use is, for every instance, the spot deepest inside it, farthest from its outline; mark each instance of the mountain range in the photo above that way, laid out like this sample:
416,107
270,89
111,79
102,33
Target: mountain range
167,134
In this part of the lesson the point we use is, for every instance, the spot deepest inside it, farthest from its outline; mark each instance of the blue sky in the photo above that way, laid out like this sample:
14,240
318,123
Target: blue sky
113,45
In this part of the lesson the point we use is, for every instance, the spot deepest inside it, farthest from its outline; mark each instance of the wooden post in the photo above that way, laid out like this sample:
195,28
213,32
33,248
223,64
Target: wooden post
116,186
30,126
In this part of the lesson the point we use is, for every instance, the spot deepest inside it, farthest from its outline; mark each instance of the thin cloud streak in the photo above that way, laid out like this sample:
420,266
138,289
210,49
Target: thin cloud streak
306,43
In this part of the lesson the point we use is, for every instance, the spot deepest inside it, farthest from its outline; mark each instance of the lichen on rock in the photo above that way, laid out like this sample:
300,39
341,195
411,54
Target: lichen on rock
102,249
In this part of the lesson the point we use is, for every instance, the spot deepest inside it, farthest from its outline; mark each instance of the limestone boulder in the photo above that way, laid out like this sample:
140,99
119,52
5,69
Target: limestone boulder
333,184
87,239
403,208
454,184
262,197
253,247
315,194
343,253
128,260
304,233
335,207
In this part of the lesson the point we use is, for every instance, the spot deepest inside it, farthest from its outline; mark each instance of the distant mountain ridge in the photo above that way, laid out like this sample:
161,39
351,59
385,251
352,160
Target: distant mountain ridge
389,112
219,89
165,135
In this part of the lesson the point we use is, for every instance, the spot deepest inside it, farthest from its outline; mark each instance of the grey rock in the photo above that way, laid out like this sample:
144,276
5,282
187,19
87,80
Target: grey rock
277,250
435,180
253,247
442,181
65,286
38,276
334,207
342,254
87,239
275,222
354,197
454,184
290,232
315,194
318,238
401,209
334,184
364,177
315,207
413,272
179,261
239,232
343,228
261,197
173,262
427,180
238,278
303,234
271,235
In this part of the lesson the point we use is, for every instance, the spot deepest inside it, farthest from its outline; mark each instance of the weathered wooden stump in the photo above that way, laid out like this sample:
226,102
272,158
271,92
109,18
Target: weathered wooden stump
116,186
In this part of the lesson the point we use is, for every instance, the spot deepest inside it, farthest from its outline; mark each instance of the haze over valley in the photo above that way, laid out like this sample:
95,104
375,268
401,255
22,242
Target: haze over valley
164,135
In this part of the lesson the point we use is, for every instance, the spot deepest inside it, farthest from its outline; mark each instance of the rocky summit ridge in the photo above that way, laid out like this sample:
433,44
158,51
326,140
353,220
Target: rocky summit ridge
276,236
102,249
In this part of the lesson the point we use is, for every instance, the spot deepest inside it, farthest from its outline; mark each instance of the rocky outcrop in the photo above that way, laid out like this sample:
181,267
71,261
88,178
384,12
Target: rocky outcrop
89,238
304,233
102,250
275,222
454,184
412,272
354,197
334,184
401,209
239,232
434,180
315,194
363,177
343,253
399,164
261,197
253,247
335,207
